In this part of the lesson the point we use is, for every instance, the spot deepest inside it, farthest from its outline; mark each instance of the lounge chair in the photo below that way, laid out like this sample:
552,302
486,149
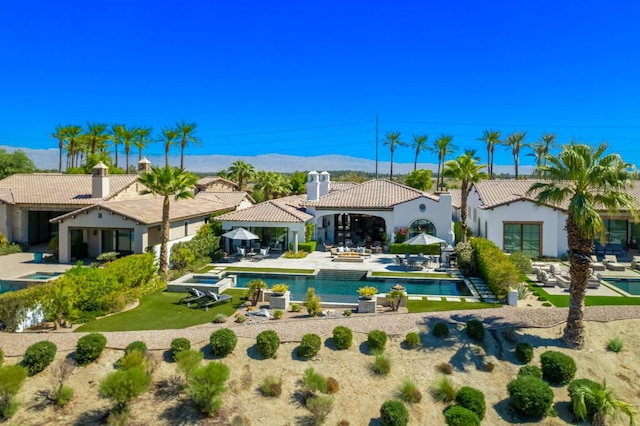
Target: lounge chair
611,263
545,280
213,299
263,254
277,247
194,296
594,281
595,264
635,262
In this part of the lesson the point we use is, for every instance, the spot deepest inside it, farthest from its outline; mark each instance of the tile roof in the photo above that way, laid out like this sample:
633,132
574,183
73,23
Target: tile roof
56,188
233,198
209,180
282,210
456,197
373,194
339,185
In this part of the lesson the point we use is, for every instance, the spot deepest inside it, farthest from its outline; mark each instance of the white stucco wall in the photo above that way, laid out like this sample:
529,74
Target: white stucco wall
437,212
4,221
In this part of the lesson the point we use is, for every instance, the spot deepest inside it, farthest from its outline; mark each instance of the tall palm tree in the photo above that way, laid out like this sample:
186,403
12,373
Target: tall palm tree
442,146
588,181
515,142
166,182
187,135
282,187
61,135
141,140
168,137
393,140
605,402
491,138
267,182
538,152
72,134
242,172
465,169
549,141
115,133
419,144
96,132
129,135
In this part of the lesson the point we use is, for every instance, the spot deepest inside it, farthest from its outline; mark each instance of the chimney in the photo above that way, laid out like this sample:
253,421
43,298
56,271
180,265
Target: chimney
144,166
100,181
325,183
313,186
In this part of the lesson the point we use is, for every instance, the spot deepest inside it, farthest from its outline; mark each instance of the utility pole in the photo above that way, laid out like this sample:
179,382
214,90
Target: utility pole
376,146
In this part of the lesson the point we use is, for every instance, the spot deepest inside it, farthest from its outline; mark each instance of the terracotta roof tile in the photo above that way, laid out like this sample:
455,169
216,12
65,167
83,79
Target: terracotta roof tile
283,210
230,198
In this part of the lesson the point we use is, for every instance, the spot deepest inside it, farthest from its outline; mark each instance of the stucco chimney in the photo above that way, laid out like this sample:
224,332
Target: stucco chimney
325,183
313,186
100,181
144,166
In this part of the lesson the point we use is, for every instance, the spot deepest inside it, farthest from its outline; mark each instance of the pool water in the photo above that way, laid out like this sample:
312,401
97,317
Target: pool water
7,286
631,286
40,276
343,291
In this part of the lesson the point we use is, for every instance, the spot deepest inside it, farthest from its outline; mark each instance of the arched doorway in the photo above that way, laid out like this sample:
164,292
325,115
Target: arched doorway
421,226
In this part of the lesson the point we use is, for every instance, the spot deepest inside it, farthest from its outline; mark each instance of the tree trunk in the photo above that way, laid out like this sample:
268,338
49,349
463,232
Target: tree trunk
579,256
515,162
164,258
182,156
60,161
464,192
391,171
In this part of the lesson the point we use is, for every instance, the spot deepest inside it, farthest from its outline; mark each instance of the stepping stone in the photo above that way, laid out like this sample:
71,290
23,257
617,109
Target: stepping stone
452,299
434,298
415,297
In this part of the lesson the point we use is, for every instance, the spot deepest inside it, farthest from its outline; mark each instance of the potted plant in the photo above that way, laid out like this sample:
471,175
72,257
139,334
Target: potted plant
279,289
367,292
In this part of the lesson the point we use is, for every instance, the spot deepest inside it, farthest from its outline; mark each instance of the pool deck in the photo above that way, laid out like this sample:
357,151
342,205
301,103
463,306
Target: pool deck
16,265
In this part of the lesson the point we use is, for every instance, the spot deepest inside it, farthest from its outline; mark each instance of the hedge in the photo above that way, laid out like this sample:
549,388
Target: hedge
414,249
309,247
495,268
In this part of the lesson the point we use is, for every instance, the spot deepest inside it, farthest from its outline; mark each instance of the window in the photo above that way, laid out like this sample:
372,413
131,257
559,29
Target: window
422,208
524,237
420,226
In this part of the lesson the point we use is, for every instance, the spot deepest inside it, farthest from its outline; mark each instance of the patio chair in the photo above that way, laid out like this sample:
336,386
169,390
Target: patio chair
635,262
547,281
213,299
194,296
594,281
611,263
595,264
263,254
277,247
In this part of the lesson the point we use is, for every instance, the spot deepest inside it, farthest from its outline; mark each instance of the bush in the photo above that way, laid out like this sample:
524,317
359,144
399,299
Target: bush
394,413
122,386
268,343
320,407
312,383
134,359
409,392
413,340
457,415
309,346
524,352
396,248
206,386
188,361
466,259
38,356
12,378
277,314
615,345
445,368
223,342
530,370
347,312
89,348
444,390
381,364
441,329
295,307
271,386
472,399
332,385
377,340
589,403
557,368
178,345
522,262
241,318
494,266
137,345
219,318
475,330
342,337
63,395
312,302
530,396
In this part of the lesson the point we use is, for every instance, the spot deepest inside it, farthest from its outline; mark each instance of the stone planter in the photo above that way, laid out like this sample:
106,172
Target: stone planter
366,306
280,302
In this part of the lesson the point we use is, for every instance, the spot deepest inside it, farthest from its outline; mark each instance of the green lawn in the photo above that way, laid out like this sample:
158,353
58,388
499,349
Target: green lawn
410,274
562,301
424,305
160,311
249,269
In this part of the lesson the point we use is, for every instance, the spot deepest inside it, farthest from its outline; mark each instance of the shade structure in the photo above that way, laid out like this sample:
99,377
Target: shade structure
424,240
240,234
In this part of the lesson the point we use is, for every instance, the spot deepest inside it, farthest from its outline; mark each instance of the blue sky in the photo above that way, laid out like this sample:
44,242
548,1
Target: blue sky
308,78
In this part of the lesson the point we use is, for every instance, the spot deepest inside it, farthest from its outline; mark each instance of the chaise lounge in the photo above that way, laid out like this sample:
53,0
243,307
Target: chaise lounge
595,264
611,263
195,295
212,299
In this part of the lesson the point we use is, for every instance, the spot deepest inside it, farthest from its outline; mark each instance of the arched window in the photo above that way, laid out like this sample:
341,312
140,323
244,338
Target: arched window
421,225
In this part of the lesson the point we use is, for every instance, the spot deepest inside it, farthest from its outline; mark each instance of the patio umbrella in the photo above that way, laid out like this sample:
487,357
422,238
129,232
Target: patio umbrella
240,234
424,240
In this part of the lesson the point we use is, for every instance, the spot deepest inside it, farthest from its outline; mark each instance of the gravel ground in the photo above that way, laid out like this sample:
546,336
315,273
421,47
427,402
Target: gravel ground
14,344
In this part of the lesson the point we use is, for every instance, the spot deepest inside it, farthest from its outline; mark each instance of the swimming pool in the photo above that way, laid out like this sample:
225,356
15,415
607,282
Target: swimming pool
40,276
630,286
346,291
7,286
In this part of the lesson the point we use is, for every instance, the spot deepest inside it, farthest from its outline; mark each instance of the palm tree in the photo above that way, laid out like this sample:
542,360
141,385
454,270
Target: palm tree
419,144
141,140
129,136
96,132
491,138
466,169
166,182
186,133
168,137
549,141
539,152
267,182
116,138
72,134
515,142
61,135
282,186
393,139
442,146
602,398
587,180
241,172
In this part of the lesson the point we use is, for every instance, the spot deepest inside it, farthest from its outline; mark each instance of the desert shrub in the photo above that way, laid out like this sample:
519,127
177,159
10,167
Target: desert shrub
342,337
394,413
466,259
89,348
524,352
381,364
445,368
309,346
136,345
312,302
472,399
615,345
295,307
413,340
521,261
377,340
443,390
457,415
12,378
178,345
409,391
494,266
312,383
268,343
223,342
241,318
219,318
63,395
320,407
557,368
271,386
589,403
332,385
277,314
206,386
134,359
240,420
347,312
530,395
38,356
122,386
188,361
530,370
475,330
489,366
440,329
